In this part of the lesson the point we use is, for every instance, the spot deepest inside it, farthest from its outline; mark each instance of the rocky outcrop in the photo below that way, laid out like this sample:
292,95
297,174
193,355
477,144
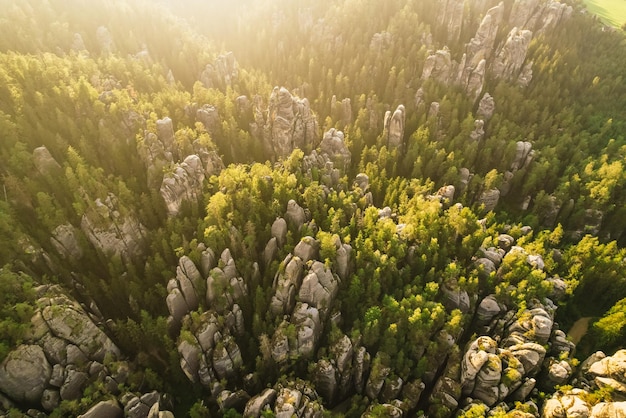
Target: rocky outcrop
481,46
450,18
113,233
221,73
295,214
24,374
65,240
183,184
319,287
260,402
394,127
511,57
486,107
538,15
333,145
286,124
62,353
209,117
103,409
297,399
489,198
45,162
286,284
438,66
524,155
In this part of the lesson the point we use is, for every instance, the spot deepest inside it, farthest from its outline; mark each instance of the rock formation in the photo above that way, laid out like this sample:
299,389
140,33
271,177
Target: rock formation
45,162
221,73
209,117
113,233
184,184
394,127
510,58
333,145
481,46
62,353
286,124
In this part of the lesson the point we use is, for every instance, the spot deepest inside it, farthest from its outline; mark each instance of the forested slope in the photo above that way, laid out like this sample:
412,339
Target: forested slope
367,208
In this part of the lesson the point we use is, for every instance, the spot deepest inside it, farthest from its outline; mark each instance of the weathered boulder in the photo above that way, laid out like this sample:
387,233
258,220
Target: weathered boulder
510,59
476,80
482,44
535,323
165,132
104,409
319,287
557,373
488,309
325,379
176,304
455,297
438,66
24,374
115,235
279,230
609,410
209,117
45,162
450,18
295,214
290,124
486,107
524,155
74,384
183,184
342,260
307,249
259,403
490,199
474,359
65,240
306,318
394,127
362,181
288,403
333,144
360,367
232,400
286,285
531,356
485,268
613,366
71,324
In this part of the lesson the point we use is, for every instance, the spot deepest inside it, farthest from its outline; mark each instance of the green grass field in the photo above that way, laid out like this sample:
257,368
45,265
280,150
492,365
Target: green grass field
612,12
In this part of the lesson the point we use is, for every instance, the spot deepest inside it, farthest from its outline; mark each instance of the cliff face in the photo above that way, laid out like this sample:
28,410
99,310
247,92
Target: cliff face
488,54
286,123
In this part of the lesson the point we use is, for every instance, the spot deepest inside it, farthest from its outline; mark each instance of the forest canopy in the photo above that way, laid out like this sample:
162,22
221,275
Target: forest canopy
312,208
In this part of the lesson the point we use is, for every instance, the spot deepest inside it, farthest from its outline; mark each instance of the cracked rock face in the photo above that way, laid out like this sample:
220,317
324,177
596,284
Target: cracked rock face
44,161
334,146
113,233
482,44
24,374
394,127
287,123
62,351
510,59
184,184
